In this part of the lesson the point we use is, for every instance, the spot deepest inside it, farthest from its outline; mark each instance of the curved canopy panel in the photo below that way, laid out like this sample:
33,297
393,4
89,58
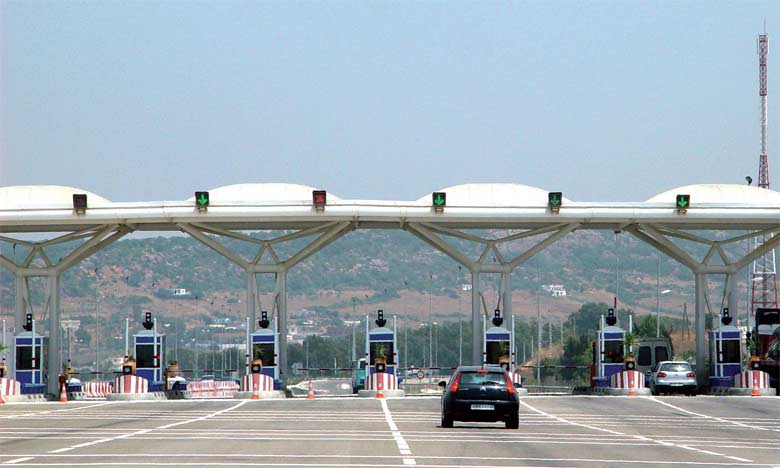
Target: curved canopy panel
490,195
20,197
721,194
271,193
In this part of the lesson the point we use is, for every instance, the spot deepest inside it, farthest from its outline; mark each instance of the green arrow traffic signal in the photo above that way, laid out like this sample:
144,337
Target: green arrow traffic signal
683,201
202,199
439,199
554,199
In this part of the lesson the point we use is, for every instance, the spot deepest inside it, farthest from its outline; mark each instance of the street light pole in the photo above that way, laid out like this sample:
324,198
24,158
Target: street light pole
658,298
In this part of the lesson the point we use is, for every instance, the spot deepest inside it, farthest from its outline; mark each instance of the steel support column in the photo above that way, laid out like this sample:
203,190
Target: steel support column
476,328
701,369
54,357
281,304
506,299
21,303
732,299
251,297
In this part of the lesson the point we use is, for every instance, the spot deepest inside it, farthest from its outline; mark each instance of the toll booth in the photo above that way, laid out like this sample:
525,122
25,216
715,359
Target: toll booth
498,345
30,367
608,350
380,344
265,347
149,349
725,352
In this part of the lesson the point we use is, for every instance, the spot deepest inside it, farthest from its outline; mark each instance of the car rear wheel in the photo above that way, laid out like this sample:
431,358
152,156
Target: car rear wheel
446,422
512,423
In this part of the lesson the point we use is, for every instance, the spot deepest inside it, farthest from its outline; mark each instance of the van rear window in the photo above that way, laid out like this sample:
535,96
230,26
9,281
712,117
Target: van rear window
661,354
645,359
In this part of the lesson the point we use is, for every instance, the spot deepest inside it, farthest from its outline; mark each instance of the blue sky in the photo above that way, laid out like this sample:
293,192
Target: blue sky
602,100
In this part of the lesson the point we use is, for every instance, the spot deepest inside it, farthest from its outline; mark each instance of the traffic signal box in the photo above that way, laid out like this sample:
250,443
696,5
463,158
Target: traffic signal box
683,202
257,366
554,201
319,198
202,201
80,203
439,201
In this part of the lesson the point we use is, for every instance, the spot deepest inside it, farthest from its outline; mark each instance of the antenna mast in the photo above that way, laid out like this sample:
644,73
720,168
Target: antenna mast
764,271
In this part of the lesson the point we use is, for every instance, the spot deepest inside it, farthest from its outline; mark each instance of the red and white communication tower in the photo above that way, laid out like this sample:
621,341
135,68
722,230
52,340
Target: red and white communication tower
764,270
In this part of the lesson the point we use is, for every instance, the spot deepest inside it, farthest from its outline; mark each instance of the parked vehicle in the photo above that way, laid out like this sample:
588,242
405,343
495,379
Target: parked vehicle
359,375
672,376
480,394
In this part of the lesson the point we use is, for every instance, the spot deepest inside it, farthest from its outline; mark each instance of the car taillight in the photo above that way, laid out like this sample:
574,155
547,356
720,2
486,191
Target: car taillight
690,374
454,386
509,386
662,374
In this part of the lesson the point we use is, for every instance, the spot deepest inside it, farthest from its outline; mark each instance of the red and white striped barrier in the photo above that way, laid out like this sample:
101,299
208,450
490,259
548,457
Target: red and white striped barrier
629,379
96,389
257,382
213,389
752,379
10,387
389,381
131,384
516,378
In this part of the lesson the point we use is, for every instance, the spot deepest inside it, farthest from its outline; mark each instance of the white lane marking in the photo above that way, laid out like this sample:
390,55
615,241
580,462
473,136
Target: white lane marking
145,431
638,437
403,447
714,418
39,413
17,460
373,457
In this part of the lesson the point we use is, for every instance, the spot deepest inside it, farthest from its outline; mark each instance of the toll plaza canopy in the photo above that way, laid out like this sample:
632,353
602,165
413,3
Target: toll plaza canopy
460,211
289,206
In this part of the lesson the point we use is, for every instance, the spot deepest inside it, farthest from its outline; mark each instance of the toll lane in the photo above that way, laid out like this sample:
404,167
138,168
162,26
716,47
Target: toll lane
584,432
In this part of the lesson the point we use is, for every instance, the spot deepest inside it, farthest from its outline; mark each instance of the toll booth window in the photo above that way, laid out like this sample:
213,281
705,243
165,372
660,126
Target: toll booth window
644,358
731,351
496,350
661,354
613,352
264,352
382,349
145,356
24,358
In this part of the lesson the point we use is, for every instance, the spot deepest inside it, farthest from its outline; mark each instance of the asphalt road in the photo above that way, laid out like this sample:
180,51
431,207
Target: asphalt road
555,431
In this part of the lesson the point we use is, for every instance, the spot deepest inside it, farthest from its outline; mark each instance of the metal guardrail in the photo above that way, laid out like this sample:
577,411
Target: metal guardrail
549,389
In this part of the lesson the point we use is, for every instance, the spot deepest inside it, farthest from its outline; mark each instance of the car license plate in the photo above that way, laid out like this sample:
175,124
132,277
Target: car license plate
676,384
483,407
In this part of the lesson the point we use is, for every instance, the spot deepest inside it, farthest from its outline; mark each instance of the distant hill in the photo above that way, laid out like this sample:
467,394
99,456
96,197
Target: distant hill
377,266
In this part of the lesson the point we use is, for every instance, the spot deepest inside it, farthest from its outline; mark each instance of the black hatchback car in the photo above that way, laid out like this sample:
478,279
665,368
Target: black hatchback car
479,394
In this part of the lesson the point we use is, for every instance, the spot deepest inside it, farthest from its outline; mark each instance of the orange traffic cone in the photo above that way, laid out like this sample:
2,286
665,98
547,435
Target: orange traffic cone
379,387
632,382
755,376
63,394
310,396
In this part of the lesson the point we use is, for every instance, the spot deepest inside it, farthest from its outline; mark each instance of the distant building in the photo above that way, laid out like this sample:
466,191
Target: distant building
555,290
180,292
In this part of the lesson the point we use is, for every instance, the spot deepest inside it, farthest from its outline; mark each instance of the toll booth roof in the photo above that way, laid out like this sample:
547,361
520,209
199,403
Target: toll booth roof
727,332
496,330
380,331
27,334
609,329
148,333
263,331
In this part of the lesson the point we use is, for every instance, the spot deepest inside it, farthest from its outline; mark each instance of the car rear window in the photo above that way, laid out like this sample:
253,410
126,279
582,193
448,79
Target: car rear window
478,378
676,367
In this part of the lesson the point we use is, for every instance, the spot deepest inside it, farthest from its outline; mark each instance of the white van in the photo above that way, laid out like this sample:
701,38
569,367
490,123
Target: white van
651,352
